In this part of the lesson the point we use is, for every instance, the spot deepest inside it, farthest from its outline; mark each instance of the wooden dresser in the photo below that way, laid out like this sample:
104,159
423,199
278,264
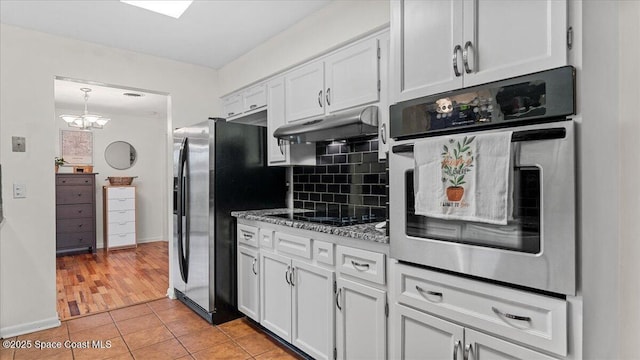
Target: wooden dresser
75,213
119,204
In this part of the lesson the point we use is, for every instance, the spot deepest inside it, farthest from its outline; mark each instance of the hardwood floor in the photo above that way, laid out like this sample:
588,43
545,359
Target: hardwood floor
91,283
161,329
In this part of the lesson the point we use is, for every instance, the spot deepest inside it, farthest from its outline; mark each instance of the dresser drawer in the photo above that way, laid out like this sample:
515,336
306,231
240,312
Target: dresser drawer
124,192
74,225
124,227
248,235
74,194
116,240
74,211
532,319
74,180
118,216
362,264
293,245
74,240
121,204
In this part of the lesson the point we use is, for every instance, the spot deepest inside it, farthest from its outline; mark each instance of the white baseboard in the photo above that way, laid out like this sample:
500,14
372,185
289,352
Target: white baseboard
11,331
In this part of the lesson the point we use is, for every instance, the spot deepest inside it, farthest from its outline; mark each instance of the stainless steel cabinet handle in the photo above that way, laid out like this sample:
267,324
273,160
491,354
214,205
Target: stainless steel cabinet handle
465,57
253,266
338,299
457,345
253,107
383,133
247,236
280,145
286,275
510,316
328,96
357,265
291,274
230,114
468,352
456,49
320,98
429,292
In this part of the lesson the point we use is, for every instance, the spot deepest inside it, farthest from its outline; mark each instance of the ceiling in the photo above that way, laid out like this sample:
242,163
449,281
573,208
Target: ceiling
210,33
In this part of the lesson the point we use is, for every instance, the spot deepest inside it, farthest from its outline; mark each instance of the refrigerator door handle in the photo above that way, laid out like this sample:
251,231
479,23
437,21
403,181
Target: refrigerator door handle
182,210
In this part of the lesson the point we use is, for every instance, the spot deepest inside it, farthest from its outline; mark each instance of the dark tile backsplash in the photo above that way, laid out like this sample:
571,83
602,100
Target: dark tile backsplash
348,180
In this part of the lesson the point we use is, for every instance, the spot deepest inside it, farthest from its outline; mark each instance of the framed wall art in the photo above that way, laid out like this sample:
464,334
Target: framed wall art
76,147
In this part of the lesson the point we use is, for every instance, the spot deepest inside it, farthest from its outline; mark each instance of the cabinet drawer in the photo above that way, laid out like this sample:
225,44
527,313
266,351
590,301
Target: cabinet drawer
74,211
532,319
74,225
124,227
323,252
125,192
116,240
266,238
121,204
118,216
248,235
74,195
294,245
362,264
74,180
73,240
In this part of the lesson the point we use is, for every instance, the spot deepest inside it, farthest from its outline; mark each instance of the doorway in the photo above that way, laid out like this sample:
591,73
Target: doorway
91,279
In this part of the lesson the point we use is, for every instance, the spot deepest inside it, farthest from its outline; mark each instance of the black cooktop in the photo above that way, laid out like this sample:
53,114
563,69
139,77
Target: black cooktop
331,219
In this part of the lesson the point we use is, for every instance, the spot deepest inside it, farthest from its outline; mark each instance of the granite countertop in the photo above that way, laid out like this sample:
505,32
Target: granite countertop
366,232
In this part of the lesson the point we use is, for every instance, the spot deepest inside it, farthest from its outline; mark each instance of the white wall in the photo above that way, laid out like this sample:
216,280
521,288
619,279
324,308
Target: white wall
148,137
333,25
629,163
29,62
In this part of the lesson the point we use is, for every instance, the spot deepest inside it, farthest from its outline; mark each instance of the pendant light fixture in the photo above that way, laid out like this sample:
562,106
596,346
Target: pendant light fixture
85,121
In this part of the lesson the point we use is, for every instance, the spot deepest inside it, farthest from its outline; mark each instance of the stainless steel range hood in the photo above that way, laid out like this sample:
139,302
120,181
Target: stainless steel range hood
344,125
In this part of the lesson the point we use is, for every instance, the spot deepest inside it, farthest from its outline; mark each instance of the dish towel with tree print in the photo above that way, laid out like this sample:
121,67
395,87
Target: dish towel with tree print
464,177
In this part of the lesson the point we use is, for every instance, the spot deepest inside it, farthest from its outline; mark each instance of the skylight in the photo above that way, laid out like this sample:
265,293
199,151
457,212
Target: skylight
164,7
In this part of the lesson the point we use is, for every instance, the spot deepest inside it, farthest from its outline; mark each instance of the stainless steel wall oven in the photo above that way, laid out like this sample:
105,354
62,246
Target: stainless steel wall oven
536,248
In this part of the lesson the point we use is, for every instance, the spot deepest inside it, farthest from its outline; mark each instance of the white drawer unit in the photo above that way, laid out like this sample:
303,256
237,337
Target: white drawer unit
248,235
361,264
531,319
119,204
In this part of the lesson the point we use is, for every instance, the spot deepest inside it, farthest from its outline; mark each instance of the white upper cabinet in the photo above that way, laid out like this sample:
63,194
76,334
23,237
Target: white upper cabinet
345,79
304,88
232,105
439,46
352,76
254,98
276,150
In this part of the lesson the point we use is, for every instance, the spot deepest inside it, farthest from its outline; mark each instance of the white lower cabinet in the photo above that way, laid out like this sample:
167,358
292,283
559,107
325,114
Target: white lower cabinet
361,321
248,282
297,303
418,335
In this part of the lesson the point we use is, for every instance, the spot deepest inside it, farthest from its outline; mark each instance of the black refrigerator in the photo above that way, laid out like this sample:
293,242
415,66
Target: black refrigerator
218,167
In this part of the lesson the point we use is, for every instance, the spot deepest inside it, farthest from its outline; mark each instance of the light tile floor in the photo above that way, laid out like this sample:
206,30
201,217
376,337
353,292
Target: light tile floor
161,329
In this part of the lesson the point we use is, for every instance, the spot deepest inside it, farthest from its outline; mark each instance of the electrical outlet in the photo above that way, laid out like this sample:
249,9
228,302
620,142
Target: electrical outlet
19,191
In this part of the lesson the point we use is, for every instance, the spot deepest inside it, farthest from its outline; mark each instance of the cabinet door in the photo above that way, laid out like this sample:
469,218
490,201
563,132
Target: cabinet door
304,89
351,76
361,322
275,293
276,151
232,105
423,37
254,98
419,336
487,347
505,44
248,284
313,310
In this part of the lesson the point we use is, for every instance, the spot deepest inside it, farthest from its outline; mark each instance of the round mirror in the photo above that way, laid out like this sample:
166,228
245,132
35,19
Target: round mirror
120,155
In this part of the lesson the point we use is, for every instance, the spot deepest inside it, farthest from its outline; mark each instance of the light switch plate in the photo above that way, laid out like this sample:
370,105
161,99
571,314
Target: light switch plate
18,143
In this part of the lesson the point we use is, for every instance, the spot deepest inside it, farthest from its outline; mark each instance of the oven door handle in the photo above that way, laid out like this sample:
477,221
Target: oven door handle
517,136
